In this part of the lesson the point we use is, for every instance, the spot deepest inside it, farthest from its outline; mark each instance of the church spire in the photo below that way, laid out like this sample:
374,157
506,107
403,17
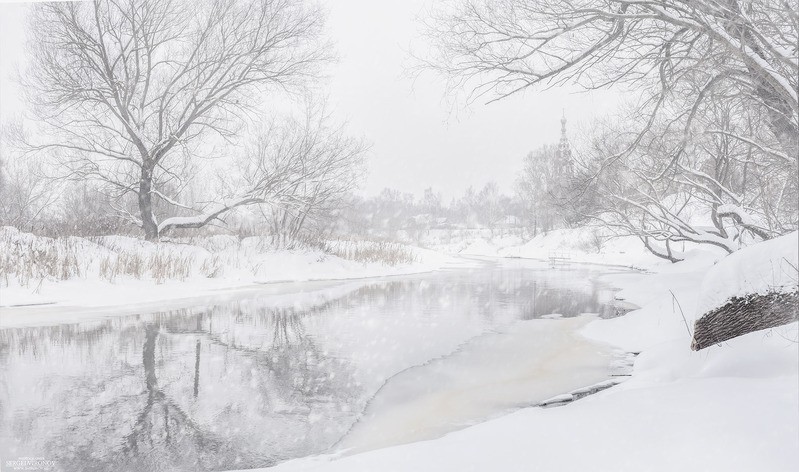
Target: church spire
564,151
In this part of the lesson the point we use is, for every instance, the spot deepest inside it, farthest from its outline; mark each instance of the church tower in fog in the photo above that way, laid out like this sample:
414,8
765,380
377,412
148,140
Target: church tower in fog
563,167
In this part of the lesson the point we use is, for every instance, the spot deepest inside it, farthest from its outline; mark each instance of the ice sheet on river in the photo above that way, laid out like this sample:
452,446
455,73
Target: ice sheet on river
518,366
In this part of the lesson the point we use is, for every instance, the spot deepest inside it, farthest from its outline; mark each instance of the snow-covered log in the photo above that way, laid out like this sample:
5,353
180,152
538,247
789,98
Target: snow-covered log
741,315
753,289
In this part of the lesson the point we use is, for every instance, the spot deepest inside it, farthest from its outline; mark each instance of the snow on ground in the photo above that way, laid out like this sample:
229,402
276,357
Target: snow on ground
587,245
581,245
75,273
715,421
766,267
730,407
146,297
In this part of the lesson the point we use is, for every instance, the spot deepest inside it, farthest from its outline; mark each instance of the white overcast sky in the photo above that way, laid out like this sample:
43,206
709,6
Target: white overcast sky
417,139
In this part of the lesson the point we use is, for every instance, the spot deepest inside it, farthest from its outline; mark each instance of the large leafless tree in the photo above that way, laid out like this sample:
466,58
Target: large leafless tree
130,92
689,60
502,47
721,192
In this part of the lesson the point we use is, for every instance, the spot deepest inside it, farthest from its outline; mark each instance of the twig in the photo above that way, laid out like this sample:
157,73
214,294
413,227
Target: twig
674,299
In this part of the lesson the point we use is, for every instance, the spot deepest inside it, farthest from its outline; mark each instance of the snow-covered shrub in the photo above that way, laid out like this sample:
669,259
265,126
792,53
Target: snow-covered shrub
593,241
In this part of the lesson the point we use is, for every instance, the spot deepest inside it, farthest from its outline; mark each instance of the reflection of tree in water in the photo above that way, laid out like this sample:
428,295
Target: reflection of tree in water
288,327
291,383
164,435
297,370
120,429
489,294
236,386
545,299
233,386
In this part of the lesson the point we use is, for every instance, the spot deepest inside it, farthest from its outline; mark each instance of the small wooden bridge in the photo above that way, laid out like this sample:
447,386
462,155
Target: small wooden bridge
559,259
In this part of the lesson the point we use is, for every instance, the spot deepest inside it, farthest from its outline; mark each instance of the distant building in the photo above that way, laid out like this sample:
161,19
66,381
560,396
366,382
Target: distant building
510,221
563,167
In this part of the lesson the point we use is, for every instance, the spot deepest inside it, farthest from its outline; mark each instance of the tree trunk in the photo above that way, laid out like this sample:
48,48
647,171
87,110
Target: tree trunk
741,315
148,223
779,109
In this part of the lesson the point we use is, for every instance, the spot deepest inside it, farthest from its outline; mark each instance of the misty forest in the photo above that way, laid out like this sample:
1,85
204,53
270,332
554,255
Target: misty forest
422,235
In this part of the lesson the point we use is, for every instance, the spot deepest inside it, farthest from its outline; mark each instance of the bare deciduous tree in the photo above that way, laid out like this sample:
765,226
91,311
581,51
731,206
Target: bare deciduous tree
722,192
750,47
686,58
25,196
313,166
534,188
129,89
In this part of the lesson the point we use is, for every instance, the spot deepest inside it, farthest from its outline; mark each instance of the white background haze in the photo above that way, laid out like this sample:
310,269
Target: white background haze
420,138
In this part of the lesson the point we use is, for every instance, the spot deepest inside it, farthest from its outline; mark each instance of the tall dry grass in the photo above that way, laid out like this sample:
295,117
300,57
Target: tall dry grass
26,259
381,252
161,266
30,259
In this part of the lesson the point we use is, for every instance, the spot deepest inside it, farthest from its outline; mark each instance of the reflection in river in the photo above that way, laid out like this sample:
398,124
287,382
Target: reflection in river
251,382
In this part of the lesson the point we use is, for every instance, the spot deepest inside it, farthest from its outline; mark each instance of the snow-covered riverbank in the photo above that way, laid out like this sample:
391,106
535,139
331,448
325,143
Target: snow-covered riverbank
75,275
585,245
730,407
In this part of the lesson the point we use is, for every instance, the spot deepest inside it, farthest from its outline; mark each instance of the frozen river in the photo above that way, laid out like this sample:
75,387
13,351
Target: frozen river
255,380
